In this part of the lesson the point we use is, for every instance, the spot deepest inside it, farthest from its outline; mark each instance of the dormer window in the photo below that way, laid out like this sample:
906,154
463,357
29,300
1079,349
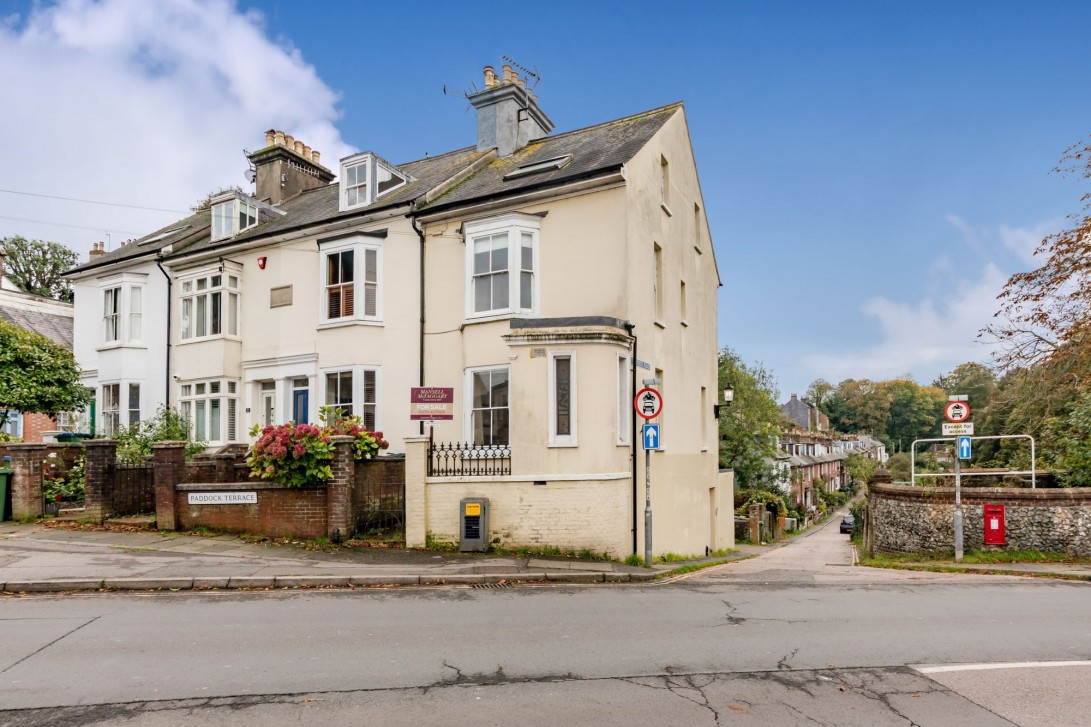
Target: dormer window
232,214
365,178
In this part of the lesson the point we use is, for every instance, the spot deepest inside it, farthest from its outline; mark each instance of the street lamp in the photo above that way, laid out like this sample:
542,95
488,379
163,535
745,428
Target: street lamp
729,396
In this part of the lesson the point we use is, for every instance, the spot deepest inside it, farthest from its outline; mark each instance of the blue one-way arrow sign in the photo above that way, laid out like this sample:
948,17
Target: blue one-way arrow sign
963,447
651,436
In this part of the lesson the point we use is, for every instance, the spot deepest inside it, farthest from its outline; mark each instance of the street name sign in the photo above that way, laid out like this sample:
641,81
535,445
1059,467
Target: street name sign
956,411
651,436
222,498
648,403
958,430
964,447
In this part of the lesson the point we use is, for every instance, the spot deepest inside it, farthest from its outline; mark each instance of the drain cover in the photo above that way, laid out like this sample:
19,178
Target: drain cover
491,585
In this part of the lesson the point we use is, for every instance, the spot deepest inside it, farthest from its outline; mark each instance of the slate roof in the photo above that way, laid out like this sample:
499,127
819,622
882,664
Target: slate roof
31,313
594,150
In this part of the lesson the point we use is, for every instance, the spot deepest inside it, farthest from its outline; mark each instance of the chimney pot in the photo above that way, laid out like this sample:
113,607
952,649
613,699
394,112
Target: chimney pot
98,249
270,135
490,77
506,69
306,152
298,149
278,138
289,141
315,156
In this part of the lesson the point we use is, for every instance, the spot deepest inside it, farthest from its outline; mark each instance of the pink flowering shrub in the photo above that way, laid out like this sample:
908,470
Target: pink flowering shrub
300,454
291,454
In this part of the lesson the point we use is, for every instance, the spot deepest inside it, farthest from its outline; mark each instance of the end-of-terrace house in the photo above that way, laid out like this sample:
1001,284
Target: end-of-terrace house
52,319
544,278
805,414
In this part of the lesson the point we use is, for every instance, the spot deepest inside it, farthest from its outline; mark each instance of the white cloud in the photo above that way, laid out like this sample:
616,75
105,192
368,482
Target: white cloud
927,338
143,103
969,234
1023,240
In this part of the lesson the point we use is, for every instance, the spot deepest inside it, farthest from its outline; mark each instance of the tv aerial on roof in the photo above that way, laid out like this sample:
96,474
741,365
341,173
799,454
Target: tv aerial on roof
530,72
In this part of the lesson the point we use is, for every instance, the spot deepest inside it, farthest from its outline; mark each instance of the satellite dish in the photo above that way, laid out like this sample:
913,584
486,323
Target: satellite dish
250,175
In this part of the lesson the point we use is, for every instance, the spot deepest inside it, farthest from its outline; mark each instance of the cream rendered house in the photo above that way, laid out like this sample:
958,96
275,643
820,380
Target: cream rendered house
540,277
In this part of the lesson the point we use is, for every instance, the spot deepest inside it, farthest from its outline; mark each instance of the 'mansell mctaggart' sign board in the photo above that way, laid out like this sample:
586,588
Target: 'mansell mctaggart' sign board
431,403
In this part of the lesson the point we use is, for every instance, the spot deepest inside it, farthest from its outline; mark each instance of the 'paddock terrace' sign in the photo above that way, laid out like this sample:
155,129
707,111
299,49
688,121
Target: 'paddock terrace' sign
223,498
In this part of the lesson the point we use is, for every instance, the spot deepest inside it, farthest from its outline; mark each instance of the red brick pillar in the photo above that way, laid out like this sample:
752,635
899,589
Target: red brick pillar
26,485
170,463
100,455
339,514
225,468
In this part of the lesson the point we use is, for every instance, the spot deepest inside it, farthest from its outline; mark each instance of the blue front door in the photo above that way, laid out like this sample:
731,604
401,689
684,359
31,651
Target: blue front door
299,406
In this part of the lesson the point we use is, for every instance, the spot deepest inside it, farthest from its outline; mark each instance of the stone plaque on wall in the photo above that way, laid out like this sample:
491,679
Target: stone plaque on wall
280,296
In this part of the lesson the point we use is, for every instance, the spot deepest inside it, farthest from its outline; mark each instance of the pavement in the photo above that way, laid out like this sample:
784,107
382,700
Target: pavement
37,557
52,558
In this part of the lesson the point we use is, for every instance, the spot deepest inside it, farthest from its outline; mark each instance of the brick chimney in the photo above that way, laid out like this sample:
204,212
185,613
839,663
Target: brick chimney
285,167
508,117
98,249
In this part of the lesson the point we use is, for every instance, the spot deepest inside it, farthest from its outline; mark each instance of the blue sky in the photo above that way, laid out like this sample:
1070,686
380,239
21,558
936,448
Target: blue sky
872,171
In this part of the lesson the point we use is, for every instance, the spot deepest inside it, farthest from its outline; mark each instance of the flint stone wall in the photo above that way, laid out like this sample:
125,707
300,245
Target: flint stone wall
909,519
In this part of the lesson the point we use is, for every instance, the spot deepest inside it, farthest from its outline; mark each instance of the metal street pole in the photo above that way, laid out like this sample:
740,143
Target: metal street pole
958,505
647,506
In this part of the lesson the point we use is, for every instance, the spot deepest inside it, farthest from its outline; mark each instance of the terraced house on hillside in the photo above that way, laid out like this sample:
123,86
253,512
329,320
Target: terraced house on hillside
540,276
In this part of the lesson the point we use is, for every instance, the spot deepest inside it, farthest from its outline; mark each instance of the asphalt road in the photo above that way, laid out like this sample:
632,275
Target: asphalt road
795,637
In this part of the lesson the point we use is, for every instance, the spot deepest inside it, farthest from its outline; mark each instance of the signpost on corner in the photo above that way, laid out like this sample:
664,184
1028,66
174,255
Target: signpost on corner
957,413
649,405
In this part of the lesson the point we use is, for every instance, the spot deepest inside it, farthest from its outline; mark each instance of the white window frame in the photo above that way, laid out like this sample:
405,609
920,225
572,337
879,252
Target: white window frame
358,401
514,225
363,163
625,397
189,291
229,394
110,427
129,410
555,439
225,212
370,165
468,398
360,245
111,314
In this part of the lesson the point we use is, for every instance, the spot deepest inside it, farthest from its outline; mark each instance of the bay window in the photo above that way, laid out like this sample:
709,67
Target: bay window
352,281
355,391
210,306
211,408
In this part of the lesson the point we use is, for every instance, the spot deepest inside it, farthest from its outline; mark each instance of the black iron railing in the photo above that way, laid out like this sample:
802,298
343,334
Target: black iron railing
134,488
461,459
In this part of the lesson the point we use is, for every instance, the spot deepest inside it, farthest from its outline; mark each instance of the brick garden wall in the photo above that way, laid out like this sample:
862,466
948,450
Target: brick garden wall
921,519
280,511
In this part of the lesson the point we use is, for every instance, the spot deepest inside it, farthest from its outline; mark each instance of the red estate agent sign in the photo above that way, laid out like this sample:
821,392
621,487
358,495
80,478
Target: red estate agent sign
431,403
648,403
956,411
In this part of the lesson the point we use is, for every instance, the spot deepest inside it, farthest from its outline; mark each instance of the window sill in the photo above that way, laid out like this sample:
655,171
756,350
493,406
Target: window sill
665,208
350,322
206,339
113,345
559,445
660,324
491,317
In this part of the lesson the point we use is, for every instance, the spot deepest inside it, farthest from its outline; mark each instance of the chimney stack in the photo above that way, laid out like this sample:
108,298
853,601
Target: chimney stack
508,115
286,167
98,249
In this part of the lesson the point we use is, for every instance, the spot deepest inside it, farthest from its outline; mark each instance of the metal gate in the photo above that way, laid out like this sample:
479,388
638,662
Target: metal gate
134,488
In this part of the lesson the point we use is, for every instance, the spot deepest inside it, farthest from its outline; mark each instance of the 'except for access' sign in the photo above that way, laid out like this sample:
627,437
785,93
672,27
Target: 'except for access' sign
962,429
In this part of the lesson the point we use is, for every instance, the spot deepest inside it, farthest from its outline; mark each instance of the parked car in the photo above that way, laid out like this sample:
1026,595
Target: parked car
847,524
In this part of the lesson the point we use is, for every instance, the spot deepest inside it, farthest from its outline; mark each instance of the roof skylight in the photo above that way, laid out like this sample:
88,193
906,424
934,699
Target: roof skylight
543,166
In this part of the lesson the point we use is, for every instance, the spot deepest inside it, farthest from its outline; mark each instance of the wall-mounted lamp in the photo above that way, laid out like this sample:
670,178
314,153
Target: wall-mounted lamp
729,396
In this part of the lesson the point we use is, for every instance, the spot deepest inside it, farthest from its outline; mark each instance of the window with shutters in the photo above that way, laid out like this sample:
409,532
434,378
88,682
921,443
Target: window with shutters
352,281
502,266
211,407
210,305
354,391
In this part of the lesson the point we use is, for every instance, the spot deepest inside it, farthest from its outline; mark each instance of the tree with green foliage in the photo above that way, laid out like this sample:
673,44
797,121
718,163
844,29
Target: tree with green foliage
1073,445
37,375
915,412
749,427
819,393
860,467
36,266
975,381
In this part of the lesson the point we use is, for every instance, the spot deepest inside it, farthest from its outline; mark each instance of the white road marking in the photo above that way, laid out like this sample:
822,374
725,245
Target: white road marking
1002,665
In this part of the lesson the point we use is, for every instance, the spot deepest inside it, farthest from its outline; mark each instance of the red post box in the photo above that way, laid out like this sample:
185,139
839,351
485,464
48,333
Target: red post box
994,525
